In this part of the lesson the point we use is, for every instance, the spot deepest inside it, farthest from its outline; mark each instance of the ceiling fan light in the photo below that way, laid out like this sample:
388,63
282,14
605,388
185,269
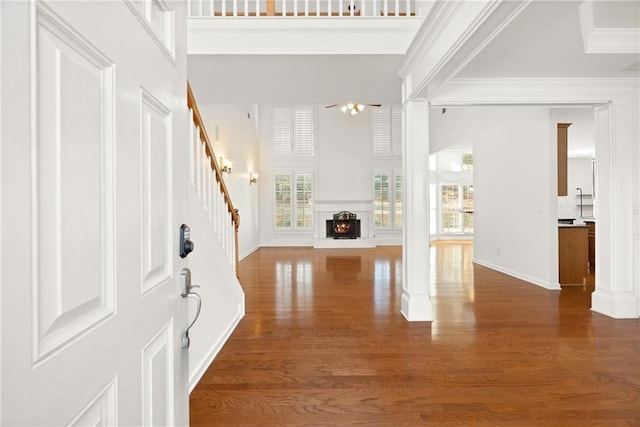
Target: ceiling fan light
343,108
359,107
354,112
350,106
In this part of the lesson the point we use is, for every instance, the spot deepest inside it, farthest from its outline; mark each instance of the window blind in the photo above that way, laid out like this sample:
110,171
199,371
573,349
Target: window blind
282,131
303,128
293,131
386,131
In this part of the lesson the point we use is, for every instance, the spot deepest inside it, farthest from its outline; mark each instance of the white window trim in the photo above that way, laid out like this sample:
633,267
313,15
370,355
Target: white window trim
393,173
294,149
460,185
390,145
293,174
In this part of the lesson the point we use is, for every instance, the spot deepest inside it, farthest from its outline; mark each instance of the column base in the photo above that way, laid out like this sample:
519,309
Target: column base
416,307
618,305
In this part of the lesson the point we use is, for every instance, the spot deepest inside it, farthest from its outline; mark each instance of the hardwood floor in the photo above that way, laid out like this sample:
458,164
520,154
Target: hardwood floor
323,343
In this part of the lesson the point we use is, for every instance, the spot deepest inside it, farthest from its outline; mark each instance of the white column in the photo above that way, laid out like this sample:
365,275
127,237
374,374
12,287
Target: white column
617,211
416,304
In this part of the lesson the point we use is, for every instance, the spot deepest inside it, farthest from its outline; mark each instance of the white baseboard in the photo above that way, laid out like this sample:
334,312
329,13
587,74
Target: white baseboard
196,374
526,278
249,252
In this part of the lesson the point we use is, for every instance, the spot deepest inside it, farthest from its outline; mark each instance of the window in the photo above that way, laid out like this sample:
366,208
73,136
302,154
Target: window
386,131
283,201
467,208
456,208
387,199
397,215
381,200
293,131
467,162
286,216
450,210
304,213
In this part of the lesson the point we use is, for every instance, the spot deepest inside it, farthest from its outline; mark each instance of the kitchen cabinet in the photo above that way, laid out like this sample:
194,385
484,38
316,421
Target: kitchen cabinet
573,254
562,143
591,235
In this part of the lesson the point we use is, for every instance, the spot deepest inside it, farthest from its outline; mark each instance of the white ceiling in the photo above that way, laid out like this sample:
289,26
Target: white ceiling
543,41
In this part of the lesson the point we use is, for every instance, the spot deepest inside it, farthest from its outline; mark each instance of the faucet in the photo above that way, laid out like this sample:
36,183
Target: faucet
580,190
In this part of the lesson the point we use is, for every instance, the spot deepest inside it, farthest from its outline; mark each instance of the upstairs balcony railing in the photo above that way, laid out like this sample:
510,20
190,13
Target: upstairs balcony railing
300,8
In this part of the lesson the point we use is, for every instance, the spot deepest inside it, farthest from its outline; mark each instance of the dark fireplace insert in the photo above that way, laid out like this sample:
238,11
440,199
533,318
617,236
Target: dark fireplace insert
344,225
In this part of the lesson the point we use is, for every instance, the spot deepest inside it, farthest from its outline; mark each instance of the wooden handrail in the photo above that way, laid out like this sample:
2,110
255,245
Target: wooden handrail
191,102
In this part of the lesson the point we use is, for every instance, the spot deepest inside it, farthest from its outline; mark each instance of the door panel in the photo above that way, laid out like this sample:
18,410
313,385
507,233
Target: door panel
157,379
101,411
157,246
72,155
92,180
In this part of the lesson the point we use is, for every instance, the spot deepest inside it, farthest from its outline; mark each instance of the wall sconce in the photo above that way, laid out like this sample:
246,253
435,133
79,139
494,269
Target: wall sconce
253,178
225,165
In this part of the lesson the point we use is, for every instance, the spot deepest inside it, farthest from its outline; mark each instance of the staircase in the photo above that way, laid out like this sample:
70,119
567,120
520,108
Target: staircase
214,224
207,178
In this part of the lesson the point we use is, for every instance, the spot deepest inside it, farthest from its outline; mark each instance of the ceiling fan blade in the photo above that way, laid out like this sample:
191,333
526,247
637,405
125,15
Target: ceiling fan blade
374,105
332,105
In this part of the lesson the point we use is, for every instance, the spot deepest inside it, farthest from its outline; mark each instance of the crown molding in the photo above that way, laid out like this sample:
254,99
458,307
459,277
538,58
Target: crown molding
439,16
606,40
537,91
452,34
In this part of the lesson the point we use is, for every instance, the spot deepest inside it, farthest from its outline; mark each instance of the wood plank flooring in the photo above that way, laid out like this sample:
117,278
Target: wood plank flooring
323,343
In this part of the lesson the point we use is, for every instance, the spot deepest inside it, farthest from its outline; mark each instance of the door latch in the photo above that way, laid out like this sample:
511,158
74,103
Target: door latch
186,245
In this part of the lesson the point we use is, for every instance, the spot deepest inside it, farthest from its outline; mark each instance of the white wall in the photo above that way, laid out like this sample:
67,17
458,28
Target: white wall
515,209
222,295
233,133
344,155
515,229
452,128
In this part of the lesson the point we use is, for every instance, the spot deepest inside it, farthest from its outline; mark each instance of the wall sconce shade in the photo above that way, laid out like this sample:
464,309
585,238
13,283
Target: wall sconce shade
253,178
225,165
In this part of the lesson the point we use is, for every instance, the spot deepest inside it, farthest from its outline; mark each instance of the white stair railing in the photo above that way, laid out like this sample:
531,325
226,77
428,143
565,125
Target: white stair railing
300,8
206,177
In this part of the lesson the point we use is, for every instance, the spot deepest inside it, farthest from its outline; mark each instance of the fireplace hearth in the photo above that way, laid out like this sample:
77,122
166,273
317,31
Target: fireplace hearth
344,225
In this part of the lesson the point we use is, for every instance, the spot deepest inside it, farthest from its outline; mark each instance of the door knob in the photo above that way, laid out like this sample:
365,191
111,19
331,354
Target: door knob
187,292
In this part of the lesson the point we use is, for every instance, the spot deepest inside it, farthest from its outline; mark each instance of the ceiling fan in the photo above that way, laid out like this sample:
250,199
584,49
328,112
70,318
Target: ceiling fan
351,108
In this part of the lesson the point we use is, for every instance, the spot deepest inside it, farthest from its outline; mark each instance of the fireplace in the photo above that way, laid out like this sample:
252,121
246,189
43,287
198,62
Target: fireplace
344,225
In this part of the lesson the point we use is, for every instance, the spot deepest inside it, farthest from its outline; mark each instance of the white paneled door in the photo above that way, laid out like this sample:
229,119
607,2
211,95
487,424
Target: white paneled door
93,116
